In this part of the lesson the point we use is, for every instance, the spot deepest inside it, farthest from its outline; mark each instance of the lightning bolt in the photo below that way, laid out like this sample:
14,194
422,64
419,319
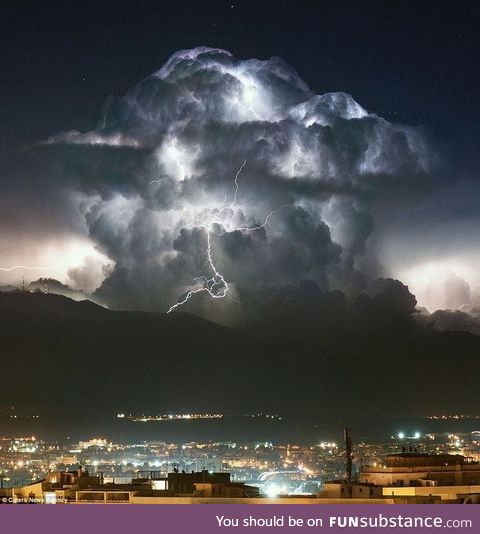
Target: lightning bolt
210,284
235,181
216,286
248,91
235,193
255,114
265,222
15,267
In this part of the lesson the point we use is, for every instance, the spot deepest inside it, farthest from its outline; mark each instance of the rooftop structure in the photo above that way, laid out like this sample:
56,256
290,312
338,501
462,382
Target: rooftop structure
420,469
412,477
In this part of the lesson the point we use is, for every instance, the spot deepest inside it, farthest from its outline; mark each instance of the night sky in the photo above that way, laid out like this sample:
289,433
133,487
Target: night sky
60,62
111,211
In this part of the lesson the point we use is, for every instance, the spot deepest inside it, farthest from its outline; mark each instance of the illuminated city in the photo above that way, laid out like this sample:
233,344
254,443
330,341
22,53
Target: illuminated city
269,469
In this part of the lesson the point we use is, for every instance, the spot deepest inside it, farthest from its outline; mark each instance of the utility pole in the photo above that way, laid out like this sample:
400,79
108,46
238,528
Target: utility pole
348,457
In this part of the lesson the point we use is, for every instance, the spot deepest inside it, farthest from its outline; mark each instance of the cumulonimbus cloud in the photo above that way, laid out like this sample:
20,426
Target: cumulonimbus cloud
241,156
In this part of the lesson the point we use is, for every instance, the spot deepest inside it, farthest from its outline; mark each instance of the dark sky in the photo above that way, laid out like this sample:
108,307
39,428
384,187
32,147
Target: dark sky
414,62
369,198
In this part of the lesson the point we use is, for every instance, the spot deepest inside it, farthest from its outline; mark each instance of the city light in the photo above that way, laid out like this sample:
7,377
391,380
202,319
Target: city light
272,491
275,469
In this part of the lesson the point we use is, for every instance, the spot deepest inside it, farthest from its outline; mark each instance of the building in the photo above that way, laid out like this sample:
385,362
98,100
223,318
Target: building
414,477
421,469
59,486
79,487
183,482
339,489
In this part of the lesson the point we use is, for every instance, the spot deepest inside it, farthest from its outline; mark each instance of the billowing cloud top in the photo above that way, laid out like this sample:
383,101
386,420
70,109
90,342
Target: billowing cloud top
222,177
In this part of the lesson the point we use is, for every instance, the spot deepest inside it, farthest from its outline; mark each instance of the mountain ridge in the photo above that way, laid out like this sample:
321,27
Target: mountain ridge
60,356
